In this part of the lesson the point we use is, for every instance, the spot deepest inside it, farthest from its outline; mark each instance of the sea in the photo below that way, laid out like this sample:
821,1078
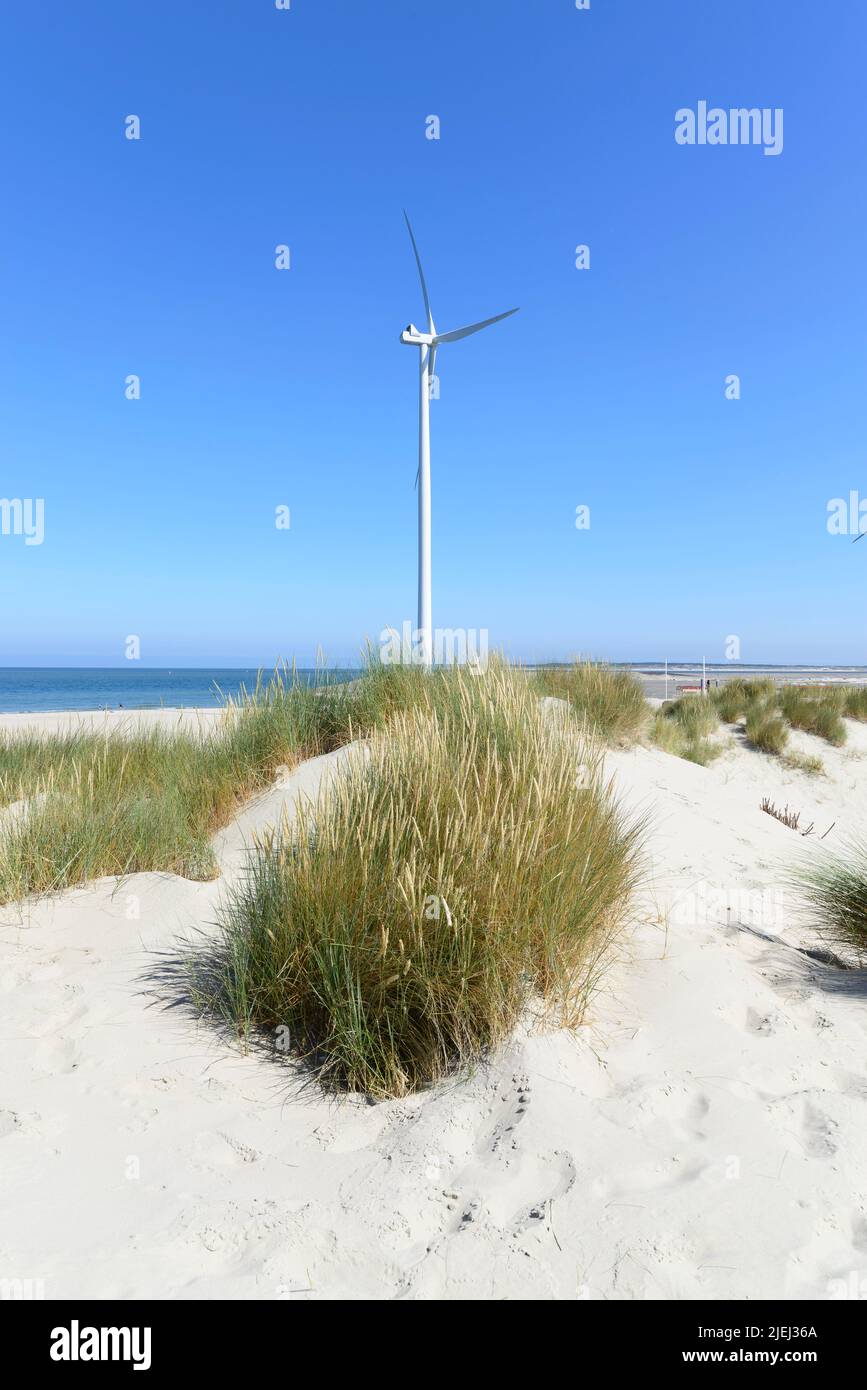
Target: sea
29,689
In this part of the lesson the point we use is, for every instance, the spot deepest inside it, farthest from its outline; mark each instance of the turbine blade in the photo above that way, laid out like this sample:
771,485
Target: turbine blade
430,322
458,333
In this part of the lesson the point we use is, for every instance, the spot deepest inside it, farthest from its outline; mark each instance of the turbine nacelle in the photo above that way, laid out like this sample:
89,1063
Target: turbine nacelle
413,338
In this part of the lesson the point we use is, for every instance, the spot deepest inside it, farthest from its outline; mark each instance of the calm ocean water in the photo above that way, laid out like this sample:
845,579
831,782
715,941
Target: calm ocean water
31,688
28,689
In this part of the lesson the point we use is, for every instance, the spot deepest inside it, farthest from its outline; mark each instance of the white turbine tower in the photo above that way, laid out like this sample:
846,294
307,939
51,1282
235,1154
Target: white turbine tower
427,343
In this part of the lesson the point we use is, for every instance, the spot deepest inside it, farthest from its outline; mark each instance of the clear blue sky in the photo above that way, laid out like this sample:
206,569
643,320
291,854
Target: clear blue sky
261,388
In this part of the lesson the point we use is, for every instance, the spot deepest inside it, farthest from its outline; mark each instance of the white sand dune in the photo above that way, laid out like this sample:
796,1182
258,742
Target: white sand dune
702,1137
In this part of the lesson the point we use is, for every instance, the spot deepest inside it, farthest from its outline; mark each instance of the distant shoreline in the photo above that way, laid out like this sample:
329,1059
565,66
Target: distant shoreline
107,705
657,687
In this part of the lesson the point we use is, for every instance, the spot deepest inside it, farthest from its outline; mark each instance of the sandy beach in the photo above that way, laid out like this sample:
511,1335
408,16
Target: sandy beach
109,721
657,687
700,1137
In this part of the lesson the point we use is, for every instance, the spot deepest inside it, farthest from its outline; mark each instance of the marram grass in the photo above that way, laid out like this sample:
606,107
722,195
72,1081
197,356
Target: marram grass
736,697
681,727
470,865
855,706
831,889
816,710
151,800
765,729
769,711
612,701
118,804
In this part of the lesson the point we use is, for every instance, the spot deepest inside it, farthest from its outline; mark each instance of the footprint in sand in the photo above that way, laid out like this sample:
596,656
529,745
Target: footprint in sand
818,1132
217,1150
519,1184
695,1113
515,1103
852,1085
550,1176
495,1153
141,1117
57,1056
762,1025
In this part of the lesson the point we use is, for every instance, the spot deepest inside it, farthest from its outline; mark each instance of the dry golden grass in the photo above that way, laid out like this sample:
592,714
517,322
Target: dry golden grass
804,762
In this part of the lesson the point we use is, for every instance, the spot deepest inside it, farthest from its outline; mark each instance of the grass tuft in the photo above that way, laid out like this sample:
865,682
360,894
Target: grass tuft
681,727
832,890
765,729
816,710
612,701
855,704
471,864
804,762
734,699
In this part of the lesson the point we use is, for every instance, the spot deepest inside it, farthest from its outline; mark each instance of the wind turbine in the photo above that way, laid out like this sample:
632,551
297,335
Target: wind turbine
427,343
